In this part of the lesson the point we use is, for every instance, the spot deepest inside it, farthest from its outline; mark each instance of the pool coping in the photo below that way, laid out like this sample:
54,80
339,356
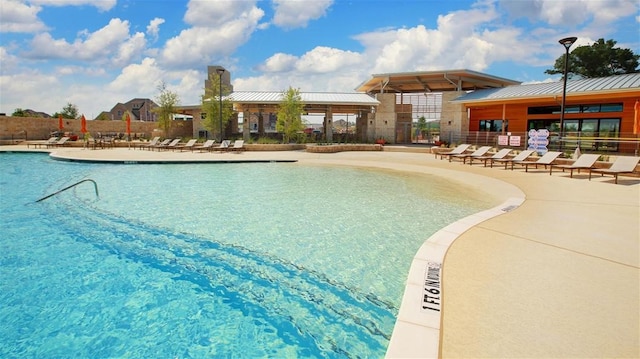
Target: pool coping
416,333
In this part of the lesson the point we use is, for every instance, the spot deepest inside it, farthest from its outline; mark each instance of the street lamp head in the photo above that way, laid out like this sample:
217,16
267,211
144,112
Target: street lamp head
220,71
566,42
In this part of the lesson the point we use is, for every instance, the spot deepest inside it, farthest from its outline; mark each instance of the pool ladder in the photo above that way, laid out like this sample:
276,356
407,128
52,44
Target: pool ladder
95,186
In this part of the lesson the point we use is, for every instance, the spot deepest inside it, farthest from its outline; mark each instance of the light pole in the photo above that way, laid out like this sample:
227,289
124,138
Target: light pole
220,71
566,42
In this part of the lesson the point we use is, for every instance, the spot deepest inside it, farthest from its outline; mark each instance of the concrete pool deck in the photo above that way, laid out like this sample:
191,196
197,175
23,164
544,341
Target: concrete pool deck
555,275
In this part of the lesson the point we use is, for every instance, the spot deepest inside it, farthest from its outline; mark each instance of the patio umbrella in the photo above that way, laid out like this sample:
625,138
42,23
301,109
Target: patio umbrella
60,124
83,125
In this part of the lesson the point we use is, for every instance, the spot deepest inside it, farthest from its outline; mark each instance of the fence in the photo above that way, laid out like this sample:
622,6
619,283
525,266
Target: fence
626,143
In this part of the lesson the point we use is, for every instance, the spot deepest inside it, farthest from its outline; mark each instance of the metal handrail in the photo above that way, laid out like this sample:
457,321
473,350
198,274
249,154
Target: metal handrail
95,186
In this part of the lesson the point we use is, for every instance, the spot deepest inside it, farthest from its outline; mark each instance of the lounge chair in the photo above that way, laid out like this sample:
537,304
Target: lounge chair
584,162
522,156
172,145
238,145
151,143
477,153
61,142
546,160
622,164
189,146
162,144
206,146
497,156
224,145
456,151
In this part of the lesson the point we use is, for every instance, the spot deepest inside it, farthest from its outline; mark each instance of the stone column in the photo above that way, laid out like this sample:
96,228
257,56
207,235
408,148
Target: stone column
328,124
246,128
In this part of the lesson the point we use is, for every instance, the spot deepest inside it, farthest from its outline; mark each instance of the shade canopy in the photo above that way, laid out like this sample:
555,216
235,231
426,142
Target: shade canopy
432,81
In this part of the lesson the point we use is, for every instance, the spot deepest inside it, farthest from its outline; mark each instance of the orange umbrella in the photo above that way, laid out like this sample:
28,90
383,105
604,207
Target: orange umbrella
128,125
83,125
60,125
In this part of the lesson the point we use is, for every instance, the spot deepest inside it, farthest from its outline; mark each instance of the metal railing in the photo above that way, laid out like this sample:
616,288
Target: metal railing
625,143
95,186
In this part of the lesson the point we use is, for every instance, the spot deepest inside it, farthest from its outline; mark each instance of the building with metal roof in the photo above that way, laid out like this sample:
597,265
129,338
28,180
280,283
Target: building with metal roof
599,114
616,85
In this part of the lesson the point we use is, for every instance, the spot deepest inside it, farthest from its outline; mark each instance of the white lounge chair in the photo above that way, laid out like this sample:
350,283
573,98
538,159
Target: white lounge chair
224,145
622,164
522,156
546,160
456,151
151,143
497,156
206,146
584,162
477,153
61,142
238,145
188,146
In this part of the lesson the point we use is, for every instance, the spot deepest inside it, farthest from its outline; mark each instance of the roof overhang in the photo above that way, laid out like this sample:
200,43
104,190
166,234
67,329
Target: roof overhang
432,81
314,102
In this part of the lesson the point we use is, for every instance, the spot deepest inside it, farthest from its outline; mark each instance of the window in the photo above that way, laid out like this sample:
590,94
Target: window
203,115
591,133
493,125
591,108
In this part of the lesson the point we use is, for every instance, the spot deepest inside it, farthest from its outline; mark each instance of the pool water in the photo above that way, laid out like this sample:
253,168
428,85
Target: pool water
208,260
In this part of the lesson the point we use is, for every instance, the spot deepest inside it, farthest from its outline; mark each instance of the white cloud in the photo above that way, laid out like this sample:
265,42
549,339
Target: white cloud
279,63
153,29
216,13
102,5
325,60
298,13
16,16
205,45
571,13
8,61
110,44
143,77
459,41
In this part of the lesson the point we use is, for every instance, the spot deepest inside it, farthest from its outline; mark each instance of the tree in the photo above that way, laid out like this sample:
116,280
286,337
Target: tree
167,102
598,60
211,105
69,111
290,114
422,125
19,113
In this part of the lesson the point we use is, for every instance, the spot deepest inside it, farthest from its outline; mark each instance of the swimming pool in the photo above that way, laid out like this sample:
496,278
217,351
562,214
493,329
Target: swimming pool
196,260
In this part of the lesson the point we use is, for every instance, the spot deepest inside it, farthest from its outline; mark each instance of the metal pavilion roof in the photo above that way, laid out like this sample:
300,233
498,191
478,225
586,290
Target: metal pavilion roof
262,97
592,86
313,101
432,81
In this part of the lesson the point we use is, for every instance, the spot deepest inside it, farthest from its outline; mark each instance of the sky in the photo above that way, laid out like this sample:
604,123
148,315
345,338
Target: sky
97,53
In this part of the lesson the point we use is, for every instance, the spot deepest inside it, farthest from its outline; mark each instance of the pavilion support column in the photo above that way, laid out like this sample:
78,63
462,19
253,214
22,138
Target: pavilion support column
246,125
260,124
328,124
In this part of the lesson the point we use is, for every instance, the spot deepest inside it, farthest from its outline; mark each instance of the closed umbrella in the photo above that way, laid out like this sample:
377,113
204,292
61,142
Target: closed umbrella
60,124
83,125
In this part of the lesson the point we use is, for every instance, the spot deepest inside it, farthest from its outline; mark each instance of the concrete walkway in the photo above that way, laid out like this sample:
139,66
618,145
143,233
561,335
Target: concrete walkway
555,275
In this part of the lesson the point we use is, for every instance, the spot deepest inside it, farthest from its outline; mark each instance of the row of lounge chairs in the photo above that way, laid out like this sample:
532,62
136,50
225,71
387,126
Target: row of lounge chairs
622,164
192,145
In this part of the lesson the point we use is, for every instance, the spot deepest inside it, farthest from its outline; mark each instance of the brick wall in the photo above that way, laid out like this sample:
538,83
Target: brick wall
34,128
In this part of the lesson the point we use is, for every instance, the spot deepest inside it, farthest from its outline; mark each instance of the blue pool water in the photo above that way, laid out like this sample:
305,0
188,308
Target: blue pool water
208,260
